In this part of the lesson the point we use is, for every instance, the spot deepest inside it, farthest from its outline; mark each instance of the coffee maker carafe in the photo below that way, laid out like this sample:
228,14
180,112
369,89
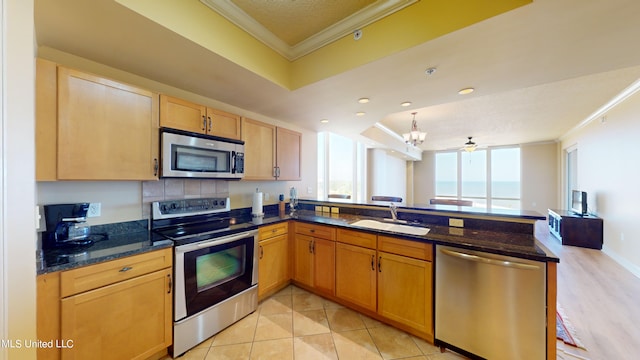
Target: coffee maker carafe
66,225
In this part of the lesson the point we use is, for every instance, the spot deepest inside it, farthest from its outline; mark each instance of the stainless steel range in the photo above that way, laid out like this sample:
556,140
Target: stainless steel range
215,267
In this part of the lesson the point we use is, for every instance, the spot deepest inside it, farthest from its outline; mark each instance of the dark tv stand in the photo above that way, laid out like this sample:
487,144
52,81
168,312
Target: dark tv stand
573,229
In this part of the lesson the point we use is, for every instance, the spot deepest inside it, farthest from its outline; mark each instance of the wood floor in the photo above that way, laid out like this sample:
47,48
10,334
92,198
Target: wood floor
601,300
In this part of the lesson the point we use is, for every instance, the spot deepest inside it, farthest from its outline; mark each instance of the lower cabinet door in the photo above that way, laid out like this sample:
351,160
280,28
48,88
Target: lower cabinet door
405,291
273,266
303,260
324,265
127,320
356,275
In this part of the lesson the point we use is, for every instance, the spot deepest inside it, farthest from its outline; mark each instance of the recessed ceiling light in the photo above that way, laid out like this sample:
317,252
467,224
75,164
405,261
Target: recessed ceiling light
466,91
406,103
324,121
363,100
430,71
360,113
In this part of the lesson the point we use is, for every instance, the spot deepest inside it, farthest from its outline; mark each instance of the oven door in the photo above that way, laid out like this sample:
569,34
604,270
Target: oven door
211,271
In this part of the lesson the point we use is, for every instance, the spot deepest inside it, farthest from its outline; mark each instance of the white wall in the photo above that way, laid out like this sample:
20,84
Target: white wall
17,224
424,187
539,181
608,171
386,174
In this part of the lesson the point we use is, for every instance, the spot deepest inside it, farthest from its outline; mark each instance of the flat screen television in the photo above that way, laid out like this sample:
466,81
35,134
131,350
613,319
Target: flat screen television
579,202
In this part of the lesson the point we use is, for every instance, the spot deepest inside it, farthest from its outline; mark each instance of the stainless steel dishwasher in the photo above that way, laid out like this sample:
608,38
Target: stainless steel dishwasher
490,306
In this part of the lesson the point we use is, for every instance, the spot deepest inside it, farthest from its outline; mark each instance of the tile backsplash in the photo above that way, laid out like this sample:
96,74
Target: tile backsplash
170,189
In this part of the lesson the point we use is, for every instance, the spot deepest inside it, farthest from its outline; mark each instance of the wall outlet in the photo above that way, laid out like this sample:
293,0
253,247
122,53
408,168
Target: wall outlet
456,222
94,210
309,190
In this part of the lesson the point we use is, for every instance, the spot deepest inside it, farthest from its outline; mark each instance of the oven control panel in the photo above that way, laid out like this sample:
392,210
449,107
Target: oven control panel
187,207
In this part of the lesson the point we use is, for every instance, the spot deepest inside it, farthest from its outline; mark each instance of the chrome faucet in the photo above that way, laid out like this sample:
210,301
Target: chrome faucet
394,211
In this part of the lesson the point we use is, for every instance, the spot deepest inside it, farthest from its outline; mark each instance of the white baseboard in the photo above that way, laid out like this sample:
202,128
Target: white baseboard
635,270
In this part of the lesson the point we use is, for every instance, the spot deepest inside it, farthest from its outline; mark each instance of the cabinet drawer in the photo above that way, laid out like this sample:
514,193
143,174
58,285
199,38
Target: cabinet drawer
317,231
414,249
357,238
269,231
94,276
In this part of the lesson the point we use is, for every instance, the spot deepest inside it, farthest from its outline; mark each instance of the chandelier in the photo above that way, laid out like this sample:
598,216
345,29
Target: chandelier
415,137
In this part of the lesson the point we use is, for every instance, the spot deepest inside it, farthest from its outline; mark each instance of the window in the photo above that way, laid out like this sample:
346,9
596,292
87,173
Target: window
490,178
505,178
340,166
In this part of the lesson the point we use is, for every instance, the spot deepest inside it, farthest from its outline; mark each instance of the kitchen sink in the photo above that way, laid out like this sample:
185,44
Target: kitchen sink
386,226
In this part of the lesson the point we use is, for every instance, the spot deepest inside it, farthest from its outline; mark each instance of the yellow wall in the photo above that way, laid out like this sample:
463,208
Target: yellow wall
411,26
608,172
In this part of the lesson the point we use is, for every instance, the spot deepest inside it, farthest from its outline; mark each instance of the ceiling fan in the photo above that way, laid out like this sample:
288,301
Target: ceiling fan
469,146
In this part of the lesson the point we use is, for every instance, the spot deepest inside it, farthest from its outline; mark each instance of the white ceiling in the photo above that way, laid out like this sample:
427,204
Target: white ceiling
538,71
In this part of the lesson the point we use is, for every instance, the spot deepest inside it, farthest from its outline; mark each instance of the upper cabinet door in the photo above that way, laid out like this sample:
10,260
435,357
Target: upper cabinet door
46,120
106,130
259,150
223,124
183,115
288,149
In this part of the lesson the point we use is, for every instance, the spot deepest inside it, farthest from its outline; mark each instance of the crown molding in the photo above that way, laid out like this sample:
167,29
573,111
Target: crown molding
348,25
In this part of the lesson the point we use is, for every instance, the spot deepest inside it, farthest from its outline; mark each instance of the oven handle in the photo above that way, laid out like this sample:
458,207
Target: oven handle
218,241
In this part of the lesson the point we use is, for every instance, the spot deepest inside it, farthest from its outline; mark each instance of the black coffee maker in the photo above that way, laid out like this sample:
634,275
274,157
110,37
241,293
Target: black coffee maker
66,225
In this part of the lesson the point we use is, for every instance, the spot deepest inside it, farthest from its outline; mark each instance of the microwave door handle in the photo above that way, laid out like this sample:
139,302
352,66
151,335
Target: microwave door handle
233,162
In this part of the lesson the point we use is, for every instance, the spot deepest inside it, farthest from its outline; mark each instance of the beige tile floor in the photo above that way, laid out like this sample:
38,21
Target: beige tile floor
295,324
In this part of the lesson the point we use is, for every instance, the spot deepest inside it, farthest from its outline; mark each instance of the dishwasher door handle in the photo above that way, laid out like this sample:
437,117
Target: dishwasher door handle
482,259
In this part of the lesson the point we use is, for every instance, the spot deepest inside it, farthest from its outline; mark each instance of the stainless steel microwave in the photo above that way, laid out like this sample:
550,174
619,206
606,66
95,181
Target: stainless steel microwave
190,155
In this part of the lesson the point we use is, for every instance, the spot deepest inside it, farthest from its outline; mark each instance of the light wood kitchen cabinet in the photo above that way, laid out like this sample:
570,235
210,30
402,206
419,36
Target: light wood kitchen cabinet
121,309
271,153
405,284
106,130
314,263
181,114
48,313
288,154
356,275
46,120
273,263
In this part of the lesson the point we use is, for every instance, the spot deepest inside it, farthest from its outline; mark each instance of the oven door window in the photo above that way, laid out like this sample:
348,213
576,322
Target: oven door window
186,158
217,268
216,273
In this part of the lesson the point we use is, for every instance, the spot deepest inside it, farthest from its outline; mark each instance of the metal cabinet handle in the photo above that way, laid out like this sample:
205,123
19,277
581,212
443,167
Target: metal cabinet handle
313,246
126,268
380,264
170,283
261,252
310,251
156,166
373,258
204,123
210,124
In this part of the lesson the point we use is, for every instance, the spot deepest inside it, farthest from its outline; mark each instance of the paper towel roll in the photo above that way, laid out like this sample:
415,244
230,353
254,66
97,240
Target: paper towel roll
256,209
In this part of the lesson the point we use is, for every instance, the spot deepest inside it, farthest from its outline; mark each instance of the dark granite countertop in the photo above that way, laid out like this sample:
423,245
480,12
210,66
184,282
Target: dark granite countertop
503,243
111,242
459,210
118,240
